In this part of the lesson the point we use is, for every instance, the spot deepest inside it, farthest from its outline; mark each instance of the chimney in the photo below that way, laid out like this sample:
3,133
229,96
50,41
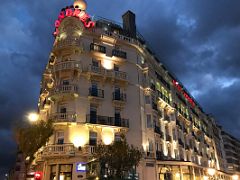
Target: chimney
129,23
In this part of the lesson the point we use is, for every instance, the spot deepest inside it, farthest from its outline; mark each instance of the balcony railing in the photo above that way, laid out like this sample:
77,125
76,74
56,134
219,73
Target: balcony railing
96,92
119,96
67,43
98,48
58,150
67,65
120,75
63,117
96,70
106,120
119,53
64,89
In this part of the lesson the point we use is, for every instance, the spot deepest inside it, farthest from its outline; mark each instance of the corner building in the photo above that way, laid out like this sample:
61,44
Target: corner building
103,81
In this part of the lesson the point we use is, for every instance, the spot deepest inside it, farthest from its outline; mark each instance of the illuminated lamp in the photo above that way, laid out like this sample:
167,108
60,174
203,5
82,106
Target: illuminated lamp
80,4
33,117
235,177
107,136
107,64
177,175
79,136
205,178
211,171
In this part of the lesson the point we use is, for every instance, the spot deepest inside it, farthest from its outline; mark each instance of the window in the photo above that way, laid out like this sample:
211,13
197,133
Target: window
116,67
65,82
117,137
92,138
93,114
149,121
65,172
59,137
147,100
53,172
95,63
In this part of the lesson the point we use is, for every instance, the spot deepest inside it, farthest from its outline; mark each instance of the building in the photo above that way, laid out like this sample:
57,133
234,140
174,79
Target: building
102,80
232,152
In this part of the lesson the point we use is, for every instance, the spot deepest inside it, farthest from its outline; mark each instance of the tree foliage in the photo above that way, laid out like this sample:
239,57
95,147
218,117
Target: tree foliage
117,159
31,137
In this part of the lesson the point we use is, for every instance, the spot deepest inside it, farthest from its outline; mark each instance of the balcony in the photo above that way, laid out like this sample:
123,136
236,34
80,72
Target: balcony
67,65
107,121
157,130
96,71
119,99
94,92
119,75
64,91
67,117
97,48
119,53
67,43
58,150
160,156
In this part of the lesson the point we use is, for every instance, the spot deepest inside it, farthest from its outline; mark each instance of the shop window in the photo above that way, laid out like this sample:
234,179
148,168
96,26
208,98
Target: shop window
65,172
53,172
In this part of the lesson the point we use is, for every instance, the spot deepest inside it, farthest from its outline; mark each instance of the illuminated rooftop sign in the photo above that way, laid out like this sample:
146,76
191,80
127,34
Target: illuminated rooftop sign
73,12
180,89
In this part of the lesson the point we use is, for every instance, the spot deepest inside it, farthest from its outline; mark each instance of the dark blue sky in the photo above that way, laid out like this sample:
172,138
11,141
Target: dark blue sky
197,40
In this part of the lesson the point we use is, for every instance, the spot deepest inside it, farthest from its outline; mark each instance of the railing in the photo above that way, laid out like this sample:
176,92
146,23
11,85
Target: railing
67,42
89,149
98,48
106,120
96,69
96,92
119,53
67,65
63,117
65,89
119,96
120,75
58,150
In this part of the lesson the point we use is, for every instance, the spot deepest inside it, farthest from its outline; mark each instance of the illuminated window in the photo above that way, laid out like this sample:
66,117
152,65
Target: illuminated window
65,172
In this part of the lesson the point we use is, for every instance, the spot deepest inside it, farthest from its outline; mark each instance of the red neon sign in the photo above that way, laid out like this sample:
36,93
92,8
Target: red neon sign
71,12
180,89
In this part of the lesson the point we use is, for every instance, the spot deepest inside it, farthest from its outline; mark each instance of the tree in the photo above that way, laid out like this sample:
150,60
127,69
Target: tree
31,137
117,159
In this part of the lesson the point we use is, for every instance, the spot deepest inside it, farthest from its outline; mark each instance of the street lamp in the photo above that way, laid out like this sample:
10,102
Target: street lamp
235,177
33,117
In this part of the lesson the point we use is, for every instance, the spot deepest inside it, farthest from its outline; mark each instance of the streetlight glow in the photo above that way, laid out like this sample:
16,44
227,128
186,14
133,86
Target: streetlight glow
33,117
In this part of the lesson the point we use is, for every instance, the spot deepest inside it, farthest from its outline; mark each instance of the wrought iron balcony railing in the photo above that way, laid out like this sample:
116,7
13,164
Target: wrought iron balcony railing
94,92
98,48
119,53
117,96
106,120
